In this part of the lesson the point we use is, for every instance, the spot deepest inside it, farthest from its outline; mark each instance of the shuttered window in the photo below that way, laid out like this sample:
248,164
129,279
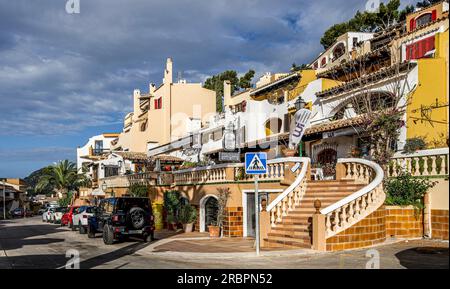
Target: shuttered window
420,48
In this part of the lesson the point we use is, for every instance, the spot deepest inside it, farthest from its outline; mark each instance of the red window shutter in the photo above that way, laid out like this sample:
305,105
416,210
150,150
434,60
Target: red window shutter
432,43
433,15
156,103
160,103
412,24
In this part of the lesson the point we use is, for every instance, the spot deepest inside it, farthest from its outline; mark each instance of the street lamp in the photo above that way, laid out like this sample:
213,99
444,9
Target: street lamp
300,103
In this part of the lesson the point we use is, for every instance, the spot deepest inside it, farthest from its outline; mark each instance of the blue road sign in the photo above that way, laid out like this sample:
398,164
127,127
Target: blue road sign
255,163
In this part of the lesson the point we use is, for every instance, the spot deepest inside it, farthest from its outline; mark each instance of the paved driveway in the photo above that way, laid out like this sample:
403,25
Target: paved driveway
29,243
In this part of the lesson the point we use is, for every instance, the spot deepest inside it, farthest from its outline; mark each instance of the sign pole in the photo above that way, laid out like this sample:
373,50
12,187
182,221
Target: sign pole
256,215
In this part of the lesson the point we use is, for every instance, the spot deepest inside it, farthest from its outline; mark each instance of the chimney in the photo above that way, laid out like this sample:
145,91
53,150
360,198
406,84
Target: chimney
152,88
168,72
136,102
226,92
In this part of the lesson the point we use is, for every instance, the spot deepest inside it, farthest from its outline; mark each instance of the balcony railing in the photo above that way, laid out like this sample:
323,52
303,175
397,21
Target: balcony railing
425,163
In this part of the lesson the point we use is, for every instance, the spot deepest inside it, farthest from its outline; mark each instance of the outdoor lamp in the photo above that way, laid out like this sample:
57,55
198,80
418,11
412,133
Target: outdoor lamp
119,163
300,103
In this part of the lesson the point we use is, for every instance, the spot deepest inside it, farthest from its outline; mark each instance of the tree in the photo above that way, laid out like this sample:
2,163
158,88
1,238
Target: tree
386,16
245,82
63,177
296,67
426,3
215,83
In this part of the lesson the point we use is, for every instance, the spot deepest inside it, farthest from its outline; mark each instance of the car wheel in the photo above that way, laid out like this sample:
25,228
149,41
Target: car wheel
70,225
108,235
90,232
73,227
81,228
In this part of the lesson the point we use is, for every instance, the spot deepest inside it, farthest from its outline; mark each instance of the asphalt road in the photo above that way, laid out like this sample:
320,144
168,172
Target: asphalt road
30,243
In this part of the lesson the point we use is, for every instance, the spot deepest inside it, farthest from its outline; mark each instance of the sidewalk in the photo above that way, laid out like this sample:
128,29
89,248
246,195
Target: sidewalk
200,245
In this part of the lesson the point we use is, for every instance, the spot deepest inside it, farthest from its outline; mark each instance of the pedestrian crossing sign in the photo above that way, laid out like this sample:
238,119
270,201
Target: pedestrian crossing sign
255,163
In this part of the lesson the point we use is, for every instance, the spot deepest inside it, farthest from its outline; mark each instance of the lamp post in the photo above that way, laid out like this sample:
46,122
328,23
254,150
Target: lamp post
105,187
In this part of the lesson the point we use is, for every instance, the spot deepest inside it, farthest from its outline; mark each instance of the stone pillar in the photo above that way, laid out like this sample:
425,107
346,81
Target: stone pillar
341,171
264,221
318,226
427,216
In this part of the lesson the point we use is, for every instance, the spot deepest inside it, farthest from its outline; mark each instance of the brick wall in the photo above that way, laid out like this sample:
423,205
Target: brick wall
403,222
233,225
369,231
439,224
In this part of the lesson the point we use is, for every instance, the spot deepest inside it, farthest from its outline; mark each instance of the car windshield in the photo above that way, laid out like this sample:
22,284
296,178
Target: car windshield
60,209
124,204
90,210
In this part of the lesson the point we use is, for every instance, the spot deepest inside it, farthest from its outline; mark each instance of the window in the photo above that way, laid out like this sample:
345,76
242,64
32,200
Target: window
143,125
158,103
323,62
217,135
418,49
111,171
423,19
338,51
98,147
355,41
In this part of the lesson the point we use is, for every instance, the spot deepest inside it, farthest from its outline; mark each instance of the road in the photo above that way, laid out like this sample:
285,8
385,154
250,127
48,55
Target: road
30,243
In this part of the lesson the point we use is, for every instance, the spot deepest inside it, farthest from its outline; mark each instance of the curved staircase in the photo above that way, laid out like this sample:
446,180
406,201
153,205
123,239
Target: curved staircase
355,194
295,229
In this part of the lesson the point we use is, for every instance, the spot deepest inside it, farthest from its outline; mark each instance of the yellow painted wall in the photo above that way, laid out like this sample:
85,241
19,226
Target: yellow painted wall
329,83
432,85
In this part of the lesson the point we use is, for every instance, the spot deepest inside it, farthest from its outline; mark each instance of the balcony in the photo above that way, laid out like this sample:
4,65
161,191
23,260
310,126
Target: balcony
125,181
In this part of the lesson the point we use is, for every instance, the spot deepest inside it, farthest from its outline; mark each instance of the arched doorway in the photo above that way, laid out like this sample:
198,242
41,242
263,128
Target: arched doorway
209,208
273,126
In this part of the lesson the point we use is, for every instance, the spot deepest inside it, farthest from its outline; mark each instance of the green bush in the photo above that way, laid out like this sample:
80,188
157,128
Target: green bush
172,203
414,144
187,214
406,190
138,190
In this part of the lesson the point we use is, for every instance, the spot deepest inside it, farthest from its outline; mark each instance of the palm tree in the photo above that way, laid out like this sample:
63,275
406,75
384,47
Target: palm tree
63,177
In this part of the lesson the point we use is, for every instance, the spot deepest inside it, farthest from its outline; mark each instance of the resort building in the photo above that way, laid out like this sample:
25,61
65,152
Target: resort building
329,194
93,150
165,113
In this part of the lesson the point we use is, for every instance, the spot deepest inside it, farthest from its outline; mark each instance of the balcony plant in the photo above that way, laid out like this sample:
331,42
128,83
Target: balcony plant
414,144
222,199
187,215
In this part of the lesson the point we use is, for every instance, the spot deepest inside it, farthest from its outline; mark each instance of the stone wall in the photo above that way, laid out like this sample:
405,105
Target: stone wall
403,222
368,232
233,225
439,224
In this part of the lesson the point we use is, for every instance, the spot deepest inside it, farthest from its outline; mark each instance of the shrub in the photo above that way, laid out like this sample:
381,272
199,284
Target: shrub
187,214
406,190
222,197
172,202
138,190
414,144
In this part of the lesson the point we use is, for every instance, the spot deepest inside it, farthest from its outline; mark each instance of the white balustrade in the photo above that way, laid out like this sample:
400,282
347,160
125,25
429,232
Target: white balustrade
292,196
433,162
352,209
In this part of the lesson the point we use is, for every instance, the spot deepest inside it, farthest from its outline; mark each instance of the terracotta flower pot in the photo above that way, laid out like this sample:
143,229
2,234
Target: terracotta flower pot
289,152
214,231
188,228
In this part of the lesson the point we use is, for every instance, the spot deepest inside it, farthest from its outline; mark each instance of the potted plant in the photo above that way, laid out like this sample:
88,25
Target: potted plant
172,204
222,199
288,152
187,215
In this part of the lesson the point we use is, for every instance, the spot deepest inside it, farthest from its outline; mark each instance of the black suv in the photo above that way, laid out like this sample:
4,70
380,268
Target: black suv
118,218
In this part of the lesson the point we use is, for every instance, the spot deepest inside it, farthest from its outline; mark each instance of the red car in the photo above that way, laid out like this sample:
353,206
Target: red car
67,217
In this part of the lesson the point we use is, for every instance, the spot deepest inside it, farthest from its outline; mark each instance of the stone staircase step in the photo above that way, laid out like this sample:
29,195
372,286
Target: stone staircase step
286,241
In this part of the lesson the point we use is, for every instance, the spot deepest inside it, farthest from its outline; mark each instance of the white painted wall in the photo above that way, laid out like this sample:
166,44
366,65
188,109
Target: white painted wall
84,150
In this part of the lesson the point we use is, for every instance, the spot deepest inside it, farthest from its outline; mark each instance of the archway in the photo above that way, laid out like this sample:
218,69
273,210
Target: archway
273,126
208,211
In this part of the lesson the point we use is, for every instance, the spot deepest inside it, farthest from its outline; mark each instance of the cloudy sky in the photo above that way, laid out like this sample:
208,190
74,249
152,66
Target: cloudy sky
65,77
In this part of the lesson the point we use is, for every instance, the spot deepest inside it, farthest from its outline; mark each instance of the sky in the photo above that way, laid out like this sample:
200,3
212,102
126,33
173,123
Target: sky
66,77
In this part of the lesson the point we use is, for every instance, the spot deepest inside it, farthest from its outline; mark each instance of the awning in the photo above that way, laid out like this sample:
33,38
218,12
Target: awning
98,192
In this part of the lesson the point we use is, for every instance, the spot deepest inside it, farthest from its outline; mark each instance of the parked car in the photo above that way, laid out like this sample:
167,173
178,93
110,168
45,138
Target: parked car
42,210
118,218
80,218
20,213
47,214
56,216
67,217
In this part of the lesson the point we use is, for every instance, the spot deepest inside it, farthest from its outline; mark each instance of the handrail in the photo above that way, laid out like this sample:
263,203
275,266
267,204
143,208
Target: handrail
371,186
295,184
423,153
